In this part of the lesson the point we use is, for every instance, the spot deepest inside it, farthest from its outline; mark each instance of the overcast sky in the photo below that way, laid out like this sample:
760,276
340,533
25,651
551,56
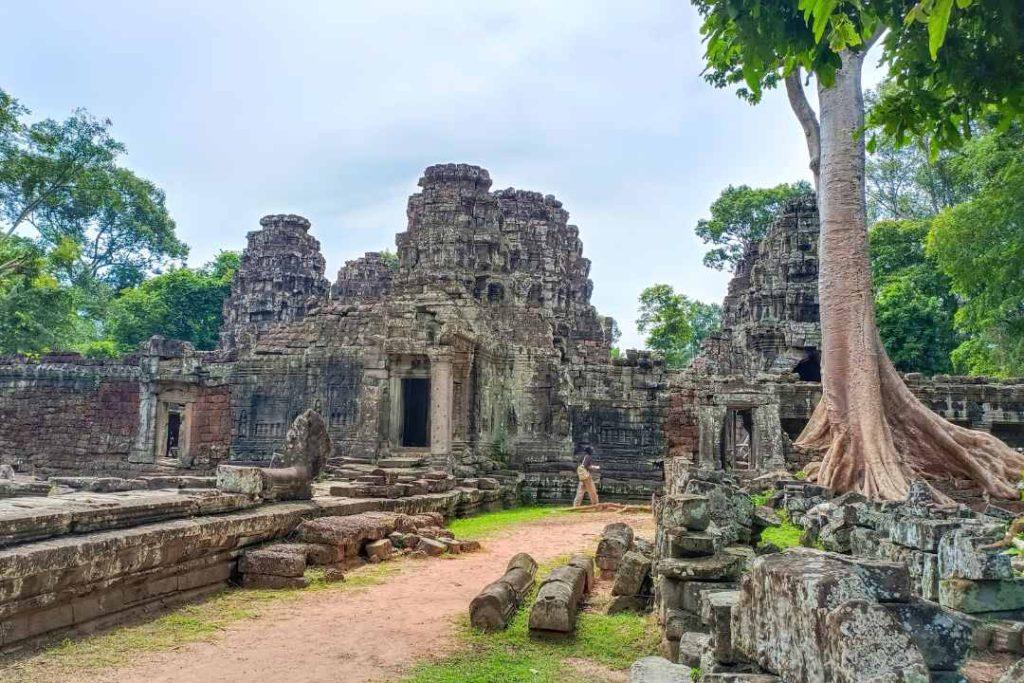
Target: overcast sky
332,110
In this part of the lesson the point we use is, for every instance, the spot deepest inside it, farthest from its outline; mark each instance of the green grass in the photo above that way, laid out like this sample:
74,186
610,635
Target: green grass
193,623
784,535
601,643
487,524
763,498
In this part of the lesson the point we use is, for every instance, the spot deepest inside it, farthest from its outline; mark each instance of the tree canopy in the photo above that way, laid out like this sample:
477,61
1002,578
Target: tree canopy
61,180
740,217
675,324
183,303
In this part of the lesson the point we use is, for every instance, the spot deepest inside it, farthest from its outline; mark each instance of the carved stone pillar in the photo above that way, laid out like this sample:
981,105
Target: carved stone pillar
441,394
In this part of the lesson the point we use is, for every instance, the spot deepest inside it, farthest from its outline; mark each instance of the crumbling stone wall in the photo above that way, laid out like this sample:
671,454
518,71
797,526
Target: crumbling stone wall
70,415
67,414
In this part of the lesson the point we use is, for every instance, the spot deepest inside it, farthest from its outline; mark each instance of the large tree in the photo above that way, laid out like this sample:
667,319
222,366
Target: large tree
60,180
979,244
947,66
914,303
675,324
740,217
183,303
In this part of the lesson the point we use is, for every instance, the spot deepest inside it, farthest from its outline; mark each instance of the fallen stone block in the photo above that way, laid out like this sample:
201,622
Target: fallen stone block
687,510
692,645
961,554
431,547
685,543
470,546
272,561
943,636
867,643
558,599
720,566
616,540
273,581
240,479
658,670
694,592
586,563
793,617
923,534
677,622
378,551
718,607
634,569
493,607
975,597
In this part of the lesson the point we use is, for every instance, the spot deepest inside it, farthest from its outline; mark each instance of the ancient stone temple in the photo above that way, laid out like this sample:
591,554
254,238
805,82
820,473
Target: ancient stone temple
474,349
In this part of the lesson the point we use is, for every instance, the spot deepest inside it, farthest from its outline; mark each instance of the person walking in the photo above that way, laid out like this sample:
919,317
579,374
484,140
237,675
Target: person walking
584,454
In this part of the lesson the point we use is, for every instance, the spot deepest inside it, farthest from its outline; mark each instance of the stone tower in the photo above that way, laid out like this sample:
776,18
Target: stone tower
280,279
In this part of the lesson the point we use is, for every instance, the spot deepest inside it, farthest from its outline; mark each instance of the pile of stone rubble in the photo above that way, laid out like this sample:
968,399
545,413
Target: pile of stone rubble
337,543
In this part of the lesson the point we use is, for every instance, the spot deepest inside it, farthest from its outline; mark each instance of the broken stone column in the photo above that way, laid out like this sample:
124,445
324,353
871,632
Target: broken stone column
560,595
493,607
616,541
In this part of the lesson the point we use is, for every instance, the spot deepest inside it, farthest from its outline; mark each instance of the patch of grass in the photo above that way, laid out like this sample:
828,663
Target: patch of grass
601,642
486,524
784,535
199,622
763,498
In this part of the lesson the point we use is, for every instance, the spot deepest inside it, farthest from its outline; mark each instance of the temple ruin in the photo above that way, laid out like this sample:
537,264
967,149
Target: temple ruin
453,377
476,351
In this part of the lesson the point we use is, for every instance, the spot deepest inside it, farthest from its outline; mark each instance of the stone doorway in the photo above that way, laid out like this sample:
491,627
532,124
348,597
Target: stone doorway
173,432
738,440
415,412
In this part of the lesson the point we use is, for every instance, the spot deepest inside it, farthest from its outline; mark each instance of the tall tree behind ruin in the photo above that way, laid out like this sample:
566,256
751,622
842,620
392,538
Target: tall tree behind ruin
947,66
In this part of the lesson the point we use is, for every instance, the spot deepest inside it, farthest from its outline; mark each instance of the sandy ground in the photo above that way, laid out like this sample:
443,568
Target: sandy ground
374,634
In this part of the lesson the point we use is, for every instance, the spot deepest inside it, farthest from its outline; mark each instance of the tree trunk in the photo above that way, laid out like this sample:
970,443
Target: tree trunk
873,433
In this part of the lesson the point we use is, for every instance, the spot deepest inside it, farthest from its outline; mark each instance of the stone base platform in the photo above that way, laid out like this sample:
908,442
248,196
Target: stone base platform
79,563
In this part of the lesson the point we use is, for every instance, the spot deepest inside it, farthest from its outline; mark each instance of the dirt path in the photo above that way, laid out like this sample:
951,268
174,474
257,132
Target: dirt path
373,634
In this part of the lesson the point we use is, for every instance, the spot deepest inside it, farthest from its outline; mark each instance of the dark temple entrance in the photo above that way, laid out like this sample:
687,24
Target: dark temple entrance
415,412
173,433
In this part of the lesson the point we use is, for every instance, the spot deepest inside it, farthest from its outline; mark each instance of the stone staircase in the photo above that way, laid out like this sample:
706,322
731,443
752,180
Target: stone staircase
401,475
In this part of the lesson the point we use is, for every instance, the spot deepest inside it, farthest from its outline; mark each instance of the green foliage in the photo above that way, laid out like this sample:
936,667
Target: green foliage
914,305
696,674
61,179
390,258
182,304
904,183
37,314
675,325
979,244
948,66
740,217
